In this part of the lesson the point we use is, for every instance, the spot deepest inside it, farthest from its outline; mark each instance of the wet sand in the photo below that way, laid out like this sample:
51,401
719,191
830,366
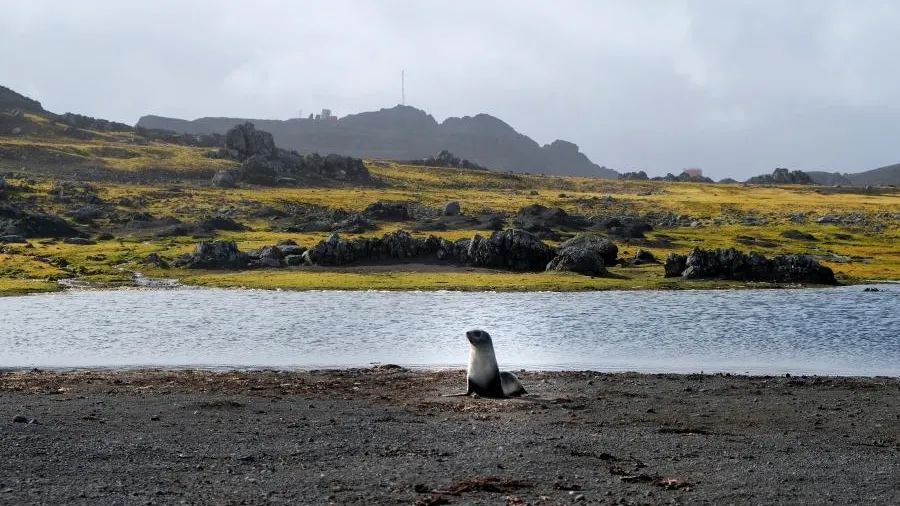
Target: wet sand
386,436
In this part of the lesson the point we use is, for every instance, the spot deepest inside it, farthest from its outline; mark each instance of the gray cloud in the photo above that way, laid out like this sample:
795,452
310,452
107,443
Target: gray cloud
736,87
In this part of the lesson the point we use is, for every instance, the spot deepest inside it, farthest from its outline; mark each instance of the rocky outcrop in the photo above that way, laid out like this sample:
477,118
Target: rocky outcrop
451,208
245,141
214,255
735,265
675,265
485,220
388,211
446,159
642,256
393,246
581,260
798,235
543,221
225,178
511,249
14,221
782,176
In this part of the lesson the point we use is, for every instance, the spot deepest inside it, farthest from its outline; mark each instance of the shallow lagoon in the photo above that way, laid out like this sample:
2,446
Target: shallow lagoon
835,331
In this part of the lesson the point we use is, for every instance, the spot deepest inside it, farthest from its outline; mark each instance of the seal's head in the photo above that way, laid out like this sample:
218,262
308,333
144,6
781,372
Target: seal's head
479,338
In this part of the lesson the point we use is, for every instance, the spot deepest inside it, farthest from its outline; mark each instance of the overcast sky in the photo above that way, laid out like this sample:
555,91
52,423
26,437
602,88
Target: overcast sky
736,88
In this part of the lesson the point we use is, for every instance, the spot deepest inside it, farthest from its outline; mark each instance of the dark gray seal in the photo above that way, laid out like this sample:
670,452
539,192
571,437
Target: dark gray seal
483,376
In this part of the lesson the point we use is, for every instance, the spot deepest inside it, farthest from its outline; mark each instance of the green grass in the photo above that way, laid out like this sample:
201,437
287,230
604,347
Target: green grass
870,253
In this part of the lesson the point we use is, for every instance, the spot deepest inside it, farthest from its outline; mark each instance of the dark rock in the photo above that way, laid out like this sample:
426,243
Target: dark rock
355,224
79,241
155,259
391,247
87,214
387,211
267,256
260,170
294,260
12,238
214,255
607,250
245,141
642,256
451,208
510,249
220,222
446,159
783,176
753,241
3,184
105,236
225,178
675,265
871,289
842,237
736,265
20,419
14,221
541,220
798,235
585,261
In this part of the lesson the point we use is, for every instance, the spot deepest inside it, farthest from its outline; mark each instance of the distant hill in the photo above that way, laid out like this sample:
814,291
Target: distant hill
883,175
828,178
407,133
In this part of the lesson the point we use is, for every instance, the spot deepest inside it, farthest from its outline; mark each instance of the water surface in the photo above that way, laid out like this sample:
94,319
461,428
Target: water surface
842,331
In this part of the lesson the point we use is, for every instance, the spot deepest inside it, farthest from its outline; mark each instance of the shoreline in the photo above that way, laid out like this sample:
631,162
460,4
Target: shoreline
142,282
385,435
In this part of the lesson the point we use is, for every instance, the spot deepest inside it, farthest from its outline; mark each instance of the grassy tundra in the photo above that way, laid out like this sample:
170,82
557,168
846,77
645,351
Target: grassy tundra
721,215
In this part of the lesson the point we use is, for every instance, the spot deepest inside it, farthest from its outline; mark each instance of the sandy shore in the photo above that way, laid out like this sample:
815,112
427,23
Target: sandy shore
386,436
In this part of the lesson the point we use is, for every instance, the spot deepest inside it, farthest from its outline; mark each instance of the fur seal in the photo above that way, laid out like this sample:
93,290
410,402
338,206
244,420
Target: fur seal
483,376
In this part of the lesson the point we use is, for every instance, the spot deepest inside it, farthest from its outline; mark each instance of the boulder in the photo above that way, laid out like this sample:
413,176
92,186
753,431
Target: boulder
259,169
214,255
798,235
541,220
289,247
511,249
3,184
225,178
452,208
387,211
642,256
393,246
675,265
245,141
81,241
12,238
606,249
294,260
155,259
581,260
14,221
87,214
735,265
354,224
220,222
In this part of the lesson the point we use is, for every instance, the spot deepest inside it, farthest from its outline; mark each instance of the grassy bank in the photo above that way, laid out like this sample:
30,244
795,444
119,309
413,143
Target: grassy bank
720,215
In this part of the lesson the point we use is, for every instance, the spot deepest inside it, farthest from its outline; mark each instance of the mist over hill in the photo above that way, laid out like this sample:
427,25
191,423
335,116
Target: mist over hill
407,133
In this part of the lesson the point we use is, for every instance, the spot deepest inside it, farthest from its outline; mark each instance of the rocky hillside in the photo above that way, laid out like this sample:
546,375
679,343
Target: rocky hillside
407,133
889,175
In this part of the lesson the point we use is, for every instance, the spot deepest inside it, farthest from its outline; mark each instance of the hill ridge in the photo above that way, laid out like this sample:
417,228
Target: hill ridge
406,133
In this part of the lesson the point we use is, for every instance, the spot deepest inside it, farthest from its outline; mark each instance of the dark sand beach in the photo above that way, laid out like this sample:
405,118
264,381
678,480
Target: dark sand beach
386,436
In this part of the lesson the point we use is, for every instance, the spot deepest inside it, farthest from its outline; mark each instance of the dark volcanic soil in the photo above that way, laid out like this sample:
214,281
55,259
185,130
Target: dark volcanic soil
385,436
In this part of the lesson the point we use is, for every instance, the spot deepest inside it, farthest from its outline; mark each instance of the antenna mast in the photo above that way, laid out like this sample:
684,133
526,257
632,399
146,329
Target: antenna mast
402,87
